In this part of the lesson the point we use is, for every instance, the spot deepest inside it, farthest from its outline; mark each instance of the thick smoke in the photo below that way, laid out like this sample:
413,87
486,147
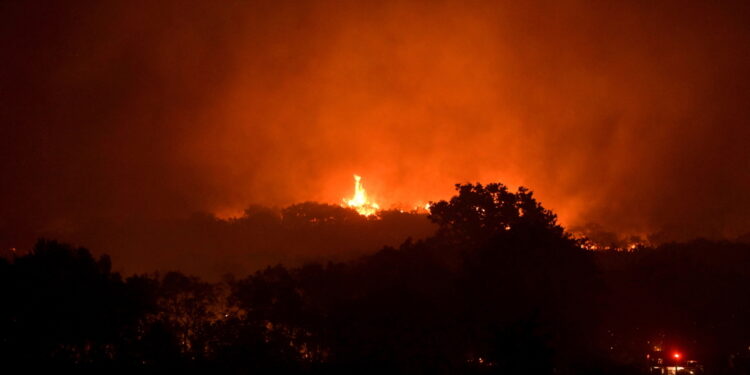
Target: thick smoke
629,115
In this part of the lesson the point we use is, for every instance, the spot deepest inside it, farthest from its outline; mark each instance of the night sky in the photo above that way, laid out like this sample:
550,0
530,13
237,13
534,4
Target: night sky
630,115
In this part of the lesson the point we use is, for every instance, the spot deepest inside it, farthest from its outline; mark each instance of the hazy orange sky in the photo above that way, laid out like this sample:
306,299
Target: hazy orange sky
632,115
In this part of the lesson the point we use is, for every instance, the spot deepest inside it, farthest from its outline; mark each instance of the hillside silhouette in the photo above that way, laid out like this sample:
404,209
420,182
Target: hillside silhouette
210,247
500,287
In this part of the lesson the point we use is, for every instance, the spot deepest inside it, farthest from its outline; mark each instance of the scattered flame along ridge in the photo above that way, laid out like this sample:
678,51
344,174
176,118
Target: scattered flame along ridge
359,201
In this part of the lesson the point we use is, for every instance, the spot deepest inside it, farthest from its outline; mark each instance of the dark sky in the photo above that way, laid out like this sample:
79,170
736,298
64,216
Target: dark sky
632,115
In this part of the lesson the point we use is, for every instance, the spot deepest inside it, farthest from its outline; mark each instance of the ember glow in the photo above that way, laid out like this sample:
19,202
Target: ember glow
359,201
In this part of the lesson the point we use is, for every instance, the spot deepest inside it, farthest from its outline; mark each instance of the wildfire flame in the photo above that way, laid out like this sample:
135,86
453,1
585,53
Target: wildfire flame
359,201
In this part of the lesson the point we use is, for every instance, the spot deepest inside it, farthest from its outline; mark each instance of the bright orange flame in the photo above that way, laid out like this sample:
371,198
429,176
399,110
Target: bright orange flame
359,201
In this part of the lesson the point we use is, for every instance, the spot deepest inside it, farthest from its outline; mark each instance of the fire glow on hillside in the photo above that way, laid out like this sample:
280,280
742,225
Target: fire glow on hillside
359,201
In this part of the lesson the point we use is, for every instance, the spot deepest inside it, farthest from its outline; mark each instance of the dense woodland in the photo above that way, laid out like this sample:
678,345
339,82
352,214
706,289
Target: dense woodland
500,288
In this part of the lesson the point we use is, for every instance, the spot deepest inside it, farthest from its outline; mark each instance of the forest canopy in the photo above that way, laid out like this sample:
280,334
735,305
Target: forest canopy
499,288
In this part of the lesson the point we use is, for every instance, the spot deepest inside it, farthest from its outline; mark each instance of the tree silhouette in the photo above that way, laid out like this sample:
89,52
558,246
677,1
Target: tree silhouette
479,212
62,305
500,288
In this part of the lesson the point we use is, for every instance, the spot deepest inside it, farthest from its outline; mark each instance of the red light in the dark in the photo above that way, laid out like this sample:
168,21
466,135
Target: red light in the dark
677,355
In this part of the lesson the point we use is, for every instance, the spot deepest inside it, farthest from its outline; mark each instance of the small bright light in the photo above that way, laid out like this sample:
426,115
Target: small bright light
676,355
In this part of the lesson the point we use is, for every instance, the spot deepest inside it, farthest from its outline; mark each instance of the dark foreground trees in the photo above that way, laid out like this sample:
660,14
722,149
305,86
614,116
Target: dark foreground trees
501,288
62,306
